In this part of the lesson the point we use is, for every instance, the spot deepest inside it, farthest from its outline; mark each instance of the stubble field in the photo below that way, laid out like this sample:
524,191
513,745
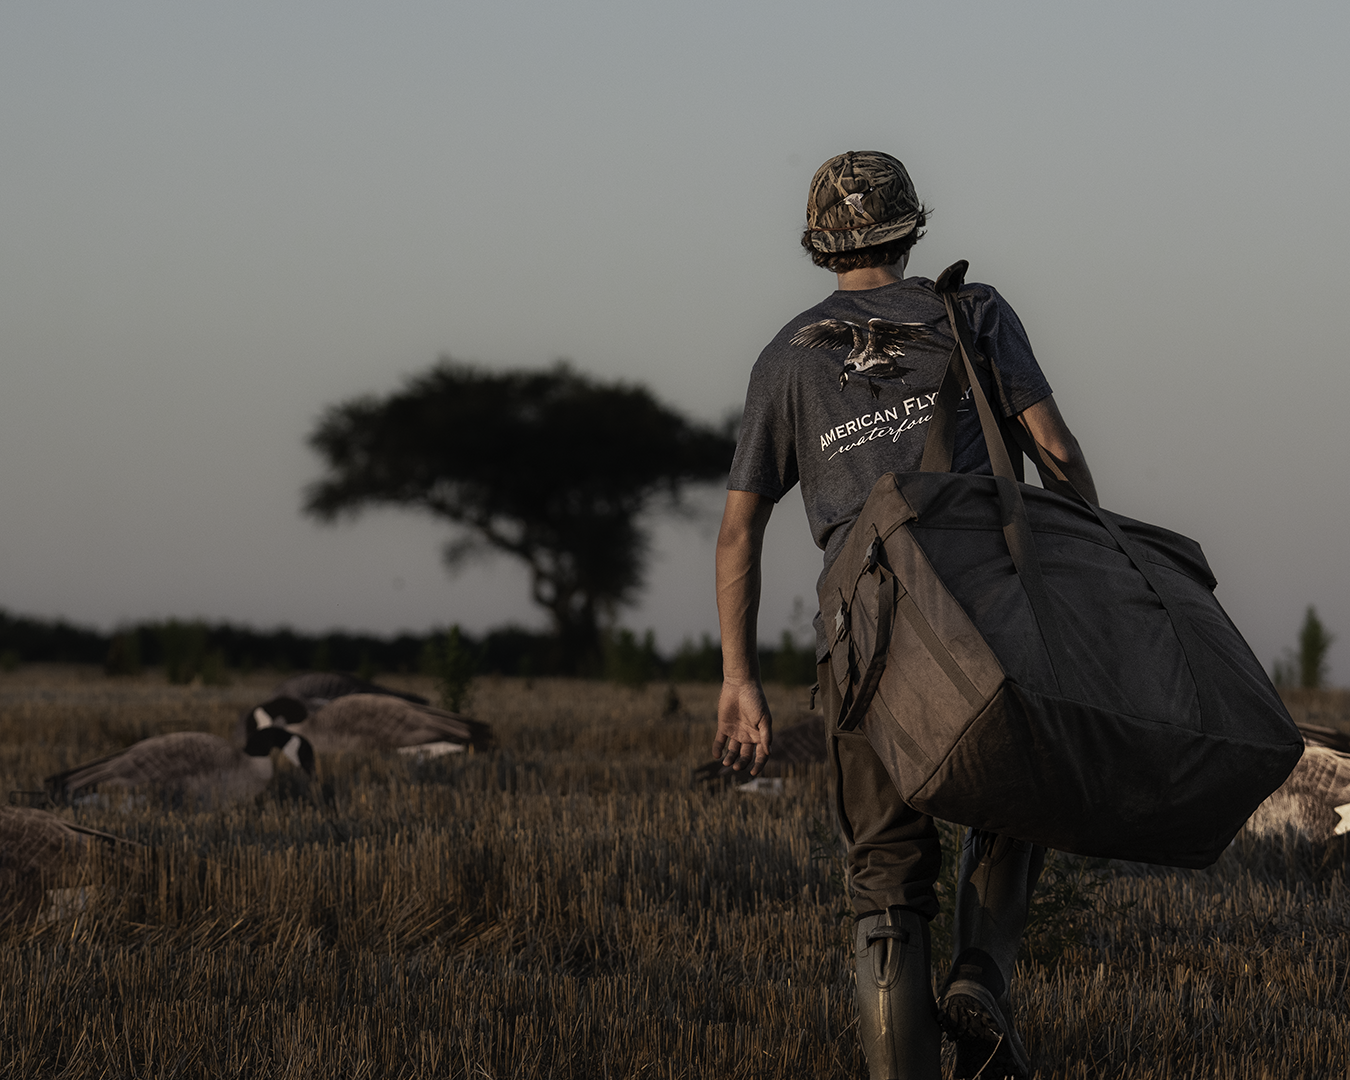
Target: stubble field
566,905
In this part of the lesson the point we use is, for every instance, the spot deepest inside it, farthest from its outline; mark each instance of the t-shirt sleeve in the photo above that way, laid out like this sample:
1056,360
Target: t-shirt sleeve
766,452
1000,336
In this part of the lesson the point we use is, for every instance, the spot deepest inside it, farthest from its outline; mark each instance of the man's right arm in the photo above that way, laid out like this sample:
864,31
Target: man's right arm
744,726
1047,427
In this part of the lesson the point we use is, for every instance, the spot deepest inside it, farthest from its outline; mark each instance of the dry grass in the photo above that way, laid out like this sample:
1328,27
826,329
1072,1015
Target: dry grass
1329,708
565,906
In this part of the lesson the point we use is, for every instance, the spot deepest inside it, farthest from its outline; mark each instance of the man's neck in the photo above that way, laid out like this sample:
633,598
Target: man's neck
871,277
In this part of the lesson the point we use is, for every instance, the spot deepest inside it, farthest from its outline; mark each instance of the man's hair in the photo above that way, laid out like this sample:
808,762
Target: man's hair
887,254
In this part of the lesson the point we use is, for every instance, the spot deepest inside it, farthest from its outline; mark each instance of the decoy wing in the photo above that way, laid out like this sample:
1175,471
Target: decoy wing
37,839
316,687
35,846
157,761
187,764
374,722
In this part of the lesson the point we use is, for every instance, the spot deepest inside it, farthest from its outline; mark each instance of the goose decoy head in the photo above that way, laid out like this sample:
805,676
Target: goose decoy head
262,741
278,711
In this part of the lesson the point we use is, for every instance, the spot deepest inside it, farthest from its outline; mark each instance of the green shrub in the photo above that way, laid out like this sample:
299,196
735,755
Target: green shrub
214,670
124,654
366,669
628,662
698,663
453,663
790,665
183,647
1306,668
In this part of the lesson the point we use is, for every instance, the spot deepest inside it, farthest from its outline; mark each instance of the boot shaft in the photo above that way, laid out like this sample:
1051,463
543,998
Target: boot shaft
995,879
897,1016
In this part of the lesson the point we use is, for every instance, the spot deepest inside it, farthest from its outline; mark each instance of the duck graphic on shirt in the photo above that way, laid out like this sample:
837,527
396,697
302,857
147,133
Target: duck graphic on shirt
872,348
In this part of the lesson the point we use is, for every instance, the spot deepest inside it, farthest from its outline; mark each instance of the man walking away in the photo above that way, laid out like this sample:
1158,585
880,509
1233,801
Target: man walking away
839,397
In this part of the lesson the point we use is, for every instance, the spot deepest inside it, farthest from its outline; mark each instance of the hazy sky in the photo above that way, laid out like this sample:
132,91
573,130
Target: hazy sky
216,219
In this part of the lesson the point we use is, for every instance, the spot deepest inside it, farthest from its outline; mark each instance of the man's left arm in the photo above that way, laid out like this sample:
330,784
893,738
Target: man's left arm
744,724
1045,424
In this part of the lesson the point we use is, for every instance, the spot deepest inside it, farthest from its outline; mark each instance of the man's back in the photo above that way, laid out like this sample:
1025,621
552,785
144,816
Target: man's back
844,392
812,417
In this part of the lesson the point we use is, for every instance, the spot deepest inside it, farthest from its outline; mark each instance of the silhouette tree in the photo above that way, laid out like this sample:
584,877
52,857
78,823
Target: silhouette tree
1306,668
549,466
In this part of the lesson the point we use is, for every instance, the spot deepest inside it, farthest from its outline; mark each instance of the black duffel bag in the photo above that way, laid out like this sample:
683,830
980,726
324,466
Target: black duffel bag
1027,663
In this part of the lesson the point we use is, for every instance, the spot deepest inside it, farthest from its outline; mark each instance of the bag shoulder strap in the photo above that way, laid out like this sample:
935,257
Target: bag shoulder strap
940,445
1016,526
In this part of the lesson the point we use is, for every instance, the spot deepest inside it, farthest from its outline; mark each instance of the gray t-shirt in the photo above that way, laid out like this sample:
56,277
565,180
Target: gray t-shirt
801,424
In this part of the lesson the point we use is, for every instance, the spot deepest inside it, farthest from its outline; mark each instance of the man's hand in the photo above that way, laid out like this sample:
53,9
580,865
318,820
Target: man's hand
744,726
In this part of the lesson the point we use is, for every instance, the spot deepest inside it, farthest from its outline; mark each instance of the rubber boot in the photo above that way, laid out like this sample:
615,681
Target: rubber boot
995,880
897,1017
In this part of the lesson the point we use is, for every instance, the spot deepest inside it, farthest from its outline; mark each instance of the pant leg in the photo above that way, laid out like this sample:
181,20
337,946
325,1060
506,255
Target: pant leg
894,853
996,878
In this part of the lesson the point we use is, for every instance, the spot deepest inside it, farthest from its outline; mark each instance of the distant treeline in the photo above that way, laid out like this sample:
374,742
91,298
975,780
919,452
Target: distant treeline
196,650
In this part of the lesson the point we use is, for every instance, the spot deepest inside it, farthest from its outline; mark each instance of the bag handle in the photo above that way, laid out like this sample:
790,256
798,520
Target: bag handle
851,713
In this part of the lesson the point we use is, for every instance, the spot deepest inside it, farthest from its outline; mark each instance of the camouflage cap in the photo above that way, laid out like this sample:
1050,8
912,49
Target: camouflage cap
860,199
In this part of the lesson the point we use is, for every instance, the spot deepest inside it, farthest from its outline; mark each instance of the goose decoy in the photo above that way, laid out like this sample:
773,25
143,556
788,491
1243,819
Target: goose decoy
35,847
793,748
188,767
1315,799
317,688
872,348
373,722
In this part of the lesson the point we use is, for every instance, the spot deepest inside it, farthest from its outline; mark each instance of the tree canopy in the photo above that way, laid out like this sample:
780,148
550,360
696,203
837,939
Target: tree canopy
550,466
